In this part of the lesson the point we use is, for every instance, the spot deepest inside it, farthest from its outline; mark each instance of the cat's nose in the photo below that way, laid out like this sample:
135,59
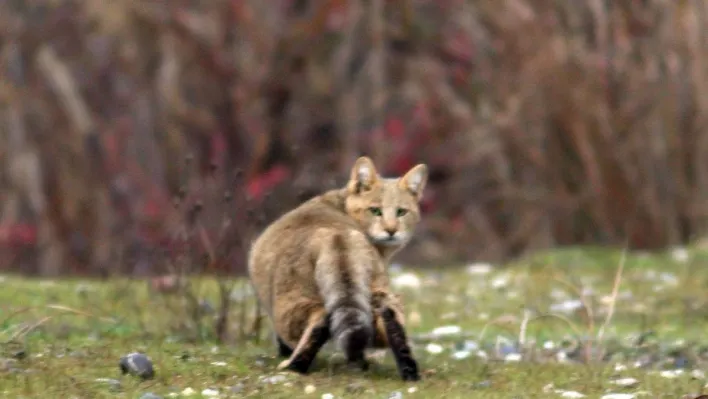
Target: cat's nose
391,231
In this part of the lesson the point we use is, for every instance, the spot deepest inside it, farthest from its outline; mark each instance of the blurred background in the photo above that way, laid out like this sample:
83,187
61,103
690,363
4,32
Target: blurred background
544,123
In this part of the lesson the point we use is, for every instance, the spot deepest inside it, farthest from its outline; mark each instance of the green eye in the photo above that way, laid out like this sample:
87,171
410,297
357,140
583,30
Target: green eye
375,211
401,212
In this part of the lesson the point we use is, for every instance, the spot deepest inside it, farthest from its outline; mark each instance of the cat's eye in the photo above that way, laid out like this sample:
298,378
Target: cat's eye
401,212
375,211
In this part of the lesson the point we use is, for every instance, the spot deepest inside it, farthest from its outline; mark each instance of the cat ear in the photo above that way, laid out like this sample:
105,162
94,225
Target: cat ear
363,175
414,180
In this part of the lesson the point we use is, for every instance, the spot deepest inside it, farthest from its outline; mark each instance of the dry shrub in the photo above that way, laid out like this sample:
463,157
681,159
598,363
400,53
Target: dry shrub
544,122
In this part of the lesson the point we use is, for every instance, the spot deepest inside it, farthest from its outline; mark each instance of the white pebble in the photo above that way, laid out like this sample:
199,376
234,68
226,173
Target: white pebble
459,355
188,391
619,396
408,280
395,395
446,330
680,255
479,268
327,396
211,393
671,373
412,389
218,363
434,348
273,379
698,374
562,357
500,282
570,394
626,382
310,389
567,307
512,357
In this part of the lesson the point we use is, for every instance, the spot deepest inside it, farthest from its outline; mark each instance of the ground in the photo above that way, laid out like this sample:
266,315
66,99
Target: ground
537,327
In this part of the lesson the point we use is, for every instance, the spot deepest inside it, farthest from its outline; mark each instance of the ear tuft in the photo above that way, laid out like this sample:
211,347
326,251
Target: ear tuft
414,180
363,175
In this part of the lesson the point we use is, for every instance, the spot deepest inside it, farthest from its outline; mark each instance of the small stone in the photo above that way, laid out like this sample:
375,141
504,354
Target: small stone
407,280
619,396
137,364
567,307
477,269
500,282
238,388
463,354
671,373
327,396
680,255
210,393
512,357
274,379
310,389
434,348
446,330
395,395
150,395
571,394
220,364
483,384
626,382
412,389
188,391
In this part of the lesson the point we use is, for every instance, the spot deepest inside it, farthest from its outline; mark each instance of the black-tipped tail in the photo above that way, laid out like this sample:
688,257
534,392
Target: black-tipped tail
351,328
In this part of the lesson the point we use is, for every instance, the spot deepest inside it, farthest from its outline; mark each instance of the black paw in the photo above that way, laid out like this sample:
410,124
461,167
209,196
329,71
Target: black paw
300,365
410,375
409,369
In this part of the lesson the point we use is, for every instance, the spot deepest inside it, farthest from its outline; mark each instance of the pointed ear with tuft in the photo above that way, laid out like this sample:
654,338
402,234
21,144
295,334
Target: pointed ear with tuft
414,180
363,176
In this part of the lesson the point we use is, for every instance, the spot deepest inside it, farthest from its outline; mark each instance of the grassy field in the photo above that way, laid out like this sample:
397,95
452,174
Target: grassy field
559,324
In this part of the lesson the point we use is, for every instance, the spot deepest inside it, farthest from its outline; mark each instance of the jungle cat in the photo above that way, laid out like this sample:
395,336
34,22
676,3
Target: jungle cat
320,271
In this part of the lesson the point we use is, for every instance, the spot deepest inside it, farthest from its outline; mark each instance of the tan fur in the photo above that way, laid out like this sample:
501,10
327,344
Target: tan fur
331,252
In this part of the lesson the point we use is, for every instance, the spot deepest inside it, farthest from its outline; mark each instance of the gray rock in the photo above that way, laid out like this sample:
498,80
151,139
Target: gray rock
238,388
137,364
150,395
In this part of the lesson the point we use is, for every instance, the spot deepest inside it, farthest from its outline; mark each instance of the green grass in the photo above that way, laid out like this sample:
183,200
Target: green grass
74,332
